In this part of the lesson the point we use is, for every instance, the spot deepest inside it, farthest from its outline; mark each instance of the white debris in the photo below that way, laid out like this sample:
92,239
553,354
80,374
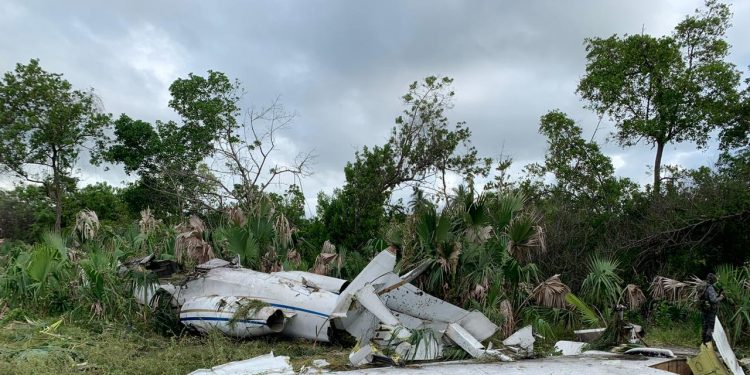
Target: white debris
569,347
320,363
523,338
727,354
265,364
589,335
362,356
651,352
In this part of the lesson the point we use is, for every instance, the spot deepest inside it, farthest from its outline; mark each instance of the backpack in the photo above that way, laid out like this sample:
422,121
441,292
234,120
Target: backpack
701,302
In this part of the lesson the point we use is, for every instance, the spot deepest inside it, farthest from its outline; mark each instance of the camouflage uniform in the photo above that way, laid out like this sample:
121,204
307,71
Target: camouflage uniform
710,308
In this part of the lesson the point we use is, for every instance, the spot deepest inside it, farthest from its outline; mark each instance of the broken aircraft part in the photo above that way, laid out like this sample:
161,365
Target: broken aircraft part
379,308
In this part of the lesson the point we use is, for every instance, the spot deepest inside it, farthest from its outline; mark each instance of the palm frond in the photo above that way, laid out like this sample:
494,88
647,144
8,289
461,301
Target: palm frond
587,313
509,322
602,285
87,224
148,222
663,288
633,297
551,293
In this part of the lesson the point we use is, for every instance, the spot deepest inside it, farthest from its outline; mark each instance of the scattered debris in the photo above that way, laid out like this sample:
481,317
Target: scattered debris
725,350
265,364
707,362
569,347
589,335
382,310
651,352
523,339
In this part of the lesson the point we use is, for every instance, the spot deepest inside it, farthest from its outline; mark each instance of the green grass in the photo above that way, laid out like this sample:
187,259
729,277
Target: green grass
30,347
682,335
685,335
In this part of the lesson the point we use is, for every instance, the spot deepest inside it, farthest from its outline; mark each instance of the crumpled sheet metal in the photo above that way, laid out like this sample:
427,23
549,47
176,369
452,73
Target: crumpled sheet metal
265,364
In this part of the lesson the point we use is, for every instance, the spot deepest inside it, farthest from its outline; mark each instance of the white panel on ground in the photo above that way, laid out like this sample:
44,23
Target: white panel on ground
265,364
465,340
727,354
523,338
569,347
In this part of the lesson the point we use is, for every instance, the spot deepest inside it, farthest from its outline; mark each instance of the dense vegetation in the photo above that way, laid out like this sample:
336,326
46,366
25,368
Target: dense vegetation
558,248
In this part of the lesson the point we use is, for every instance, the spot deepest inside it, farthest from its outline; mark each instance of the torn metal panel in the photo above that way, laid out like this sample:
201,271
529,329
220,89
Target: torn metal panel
465,340
213,263
561,365
523,338
589,335
265,364
314,280
569,347
707,362
651,352
722,345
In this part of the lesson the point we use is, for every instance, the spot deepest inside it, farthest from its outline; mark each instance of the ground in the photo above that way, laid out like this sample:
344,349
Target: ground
38,347
59,346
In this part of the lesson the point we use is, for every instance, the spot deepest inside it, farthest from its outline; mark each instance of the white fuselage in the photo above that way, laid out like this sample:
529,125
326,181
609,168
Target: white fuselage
308,310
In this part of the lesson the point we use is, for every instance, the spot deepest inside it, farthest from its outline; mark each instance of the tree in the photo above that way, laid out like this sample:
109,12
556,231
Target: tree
218,155
424,146
44,124
674,88
422,149
583,174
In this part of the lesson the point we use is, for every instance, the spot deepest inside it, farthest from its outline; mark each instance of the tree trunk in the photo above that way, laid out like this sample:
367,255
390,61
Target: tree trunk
56,190
657,167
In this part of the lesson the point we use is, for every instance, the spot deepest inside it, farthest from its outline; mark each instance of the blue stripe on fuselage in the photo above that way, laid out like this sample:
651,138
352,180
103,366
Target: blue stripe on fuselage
299,309
211,318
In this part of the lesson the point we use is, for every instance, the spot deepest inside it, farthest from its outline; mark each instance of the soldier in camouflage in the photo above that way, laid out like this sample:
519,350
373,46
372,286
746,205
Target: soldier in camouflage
710,306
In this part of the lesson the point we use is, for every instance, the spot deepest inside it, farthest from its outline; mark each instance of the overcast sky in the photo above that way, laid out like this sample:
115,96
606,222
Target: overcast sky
343,65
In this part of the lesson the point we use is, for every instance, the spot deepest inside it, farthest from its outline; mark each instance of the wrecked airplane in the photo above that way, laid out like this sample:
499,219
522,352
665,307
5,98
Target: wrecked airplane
381,309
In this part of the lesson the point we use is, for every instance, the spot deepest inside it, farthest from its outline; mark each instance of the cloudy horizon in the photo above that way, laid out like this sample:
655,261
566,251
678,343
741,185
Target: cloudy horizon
343,66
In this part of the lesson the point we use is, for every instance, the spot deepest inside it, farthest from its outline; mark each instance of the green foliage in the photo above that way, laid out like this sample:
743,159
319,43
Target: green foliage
44,124
588,315
602,286
669,89
735,309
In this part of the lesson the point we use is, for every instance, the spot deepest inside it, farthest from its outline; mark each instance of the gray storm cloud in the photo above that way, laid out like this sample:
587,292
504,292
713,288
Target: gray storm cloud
342,65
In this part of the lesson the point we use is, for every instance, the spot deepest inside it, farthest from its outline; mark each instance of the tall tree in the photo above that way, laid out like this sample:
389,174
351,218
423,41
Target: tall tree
44,125
422,150
584,176
674,88
218,154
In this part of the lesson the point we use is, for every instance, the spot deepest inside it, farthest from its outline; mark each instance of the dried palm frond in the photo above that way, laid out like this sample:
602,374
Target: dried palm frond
87,224
449,261
509,324
551,293
189,246
294,257
694,288
668,289
479,234
148,223
236,216
479,292
197,224
283,231
325,259
270,261
633,297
